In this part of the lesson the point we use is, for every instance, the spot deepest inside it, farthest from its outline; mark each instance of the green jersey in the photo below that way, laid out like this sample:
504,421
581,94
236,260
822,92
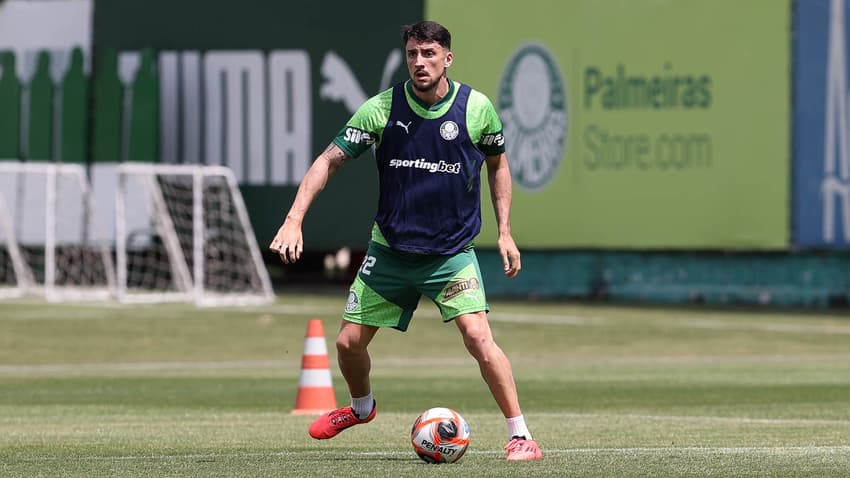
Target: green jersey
367,125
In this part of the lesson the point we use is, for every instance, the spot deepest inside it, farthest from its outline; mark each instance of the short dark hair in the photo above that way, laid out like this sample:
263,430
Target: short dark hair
427,31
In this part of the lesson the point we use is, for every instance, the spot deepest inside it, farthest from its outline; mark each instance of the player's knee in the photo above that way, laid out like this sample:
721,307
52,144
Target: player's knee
476,332
346,345
478,343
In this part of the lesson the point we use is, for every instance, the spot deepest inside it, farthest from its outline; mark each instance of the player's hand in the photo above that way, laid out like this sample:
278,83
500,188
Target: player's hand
510,256
288,243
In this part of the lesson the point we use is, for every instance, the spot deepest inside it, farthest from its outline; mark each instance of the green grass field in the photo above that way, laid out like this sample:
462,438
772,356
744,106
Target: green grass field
170,390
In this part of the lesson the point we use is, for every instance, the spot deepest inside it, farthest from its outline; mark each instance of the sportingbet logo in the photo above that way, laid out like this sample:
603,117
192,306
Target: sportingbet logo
353,135
421,163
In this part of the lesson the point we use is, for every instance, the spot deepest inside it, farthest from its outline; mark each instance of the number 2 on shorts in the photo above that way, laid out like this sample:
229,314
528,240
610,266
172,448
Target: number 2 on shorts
368,263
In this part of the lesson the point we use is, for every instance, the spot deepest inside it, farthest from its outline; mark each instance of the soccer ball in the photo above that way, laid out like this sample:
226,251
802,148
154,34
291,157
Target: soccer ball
440,435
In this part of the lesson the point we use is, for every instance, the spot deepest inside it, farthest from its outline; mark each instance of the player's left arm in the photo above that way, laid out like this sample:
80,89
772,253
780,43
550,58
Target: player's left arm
486,132
499,177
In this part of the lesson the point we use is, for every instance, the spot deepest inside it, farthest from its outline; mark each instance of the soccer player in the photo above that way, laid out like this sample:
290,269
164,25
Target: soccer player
431,135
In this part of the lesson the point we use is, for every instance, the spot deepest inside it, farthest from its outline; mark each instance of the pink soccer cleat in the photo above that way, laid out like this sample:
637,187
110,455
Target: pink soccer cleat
520,449
333,422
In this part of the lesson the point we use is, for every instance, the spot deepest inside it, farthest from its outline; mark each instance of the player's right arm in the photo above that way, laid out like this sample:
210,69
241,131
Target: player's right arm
289,241
358,135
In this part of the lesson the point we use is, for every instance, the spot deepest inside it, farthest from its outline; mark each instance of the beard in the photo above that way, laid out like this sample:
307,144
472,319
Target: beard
429,86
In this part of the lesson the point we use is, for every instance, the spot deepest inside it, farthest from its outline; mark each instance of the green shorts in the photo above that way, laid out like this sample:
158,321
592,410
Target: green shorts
390,283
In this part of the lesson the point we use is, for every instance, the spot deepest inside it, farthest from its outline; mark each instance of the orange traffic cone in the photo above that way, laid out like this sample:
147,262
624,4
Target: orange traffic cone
315,390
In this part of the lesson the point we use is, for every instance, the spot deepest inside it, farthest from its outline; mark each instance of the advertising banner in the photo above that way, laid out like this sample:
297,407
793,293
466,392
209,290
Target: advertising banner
821,126
635,124
263,87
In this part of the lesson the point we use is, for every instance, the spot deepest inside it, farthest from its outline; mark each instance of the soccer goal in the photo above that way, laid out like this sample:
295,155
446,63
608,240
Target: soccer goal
50,245
183,234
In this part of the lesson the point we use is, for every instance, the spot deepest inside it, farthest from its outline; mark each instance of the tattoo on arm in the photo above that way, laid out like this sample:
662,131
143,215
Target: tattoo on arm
335,154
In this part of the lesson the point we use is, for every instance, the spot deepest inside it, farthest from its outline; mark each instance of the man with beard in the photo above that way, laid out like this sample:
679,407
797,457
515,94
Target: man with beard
431,136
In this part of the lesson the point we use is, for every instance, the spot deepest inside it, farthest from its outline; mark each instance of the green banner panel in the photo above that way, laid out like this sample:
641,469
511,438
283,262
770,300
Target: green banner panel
10,108
108,109
40,112
635,123
74,122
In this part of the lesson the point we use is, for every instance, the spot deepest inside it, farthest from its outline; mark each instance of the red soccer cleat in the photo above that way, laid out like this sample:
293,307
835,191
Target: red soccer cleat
331,423
520,449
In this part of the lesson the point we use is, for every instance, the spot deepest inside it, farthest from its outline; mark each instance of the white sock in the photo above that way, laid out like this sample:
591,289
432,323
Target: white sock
517,428
362,406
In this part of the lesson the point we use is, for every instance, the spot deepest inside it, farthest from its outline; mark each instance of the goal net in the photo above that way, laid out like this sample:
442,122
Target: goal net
183,234
50,245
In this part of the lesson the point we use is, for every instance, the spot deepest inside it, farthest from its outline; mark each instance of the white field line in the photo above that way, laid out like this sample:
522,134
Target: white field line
212,365
100,311
797,451
565,417
146,366
830,329
333,312
696,418
760,325
403,362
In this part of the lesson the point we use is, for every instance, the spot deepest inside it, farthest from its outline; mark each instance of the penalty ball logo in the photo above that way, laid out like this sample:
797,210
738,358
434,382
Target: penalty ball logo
533,106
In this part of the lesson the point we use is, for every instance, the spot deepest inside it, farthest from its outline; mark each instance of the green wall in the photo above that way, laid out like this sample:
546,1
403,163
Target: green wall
636,124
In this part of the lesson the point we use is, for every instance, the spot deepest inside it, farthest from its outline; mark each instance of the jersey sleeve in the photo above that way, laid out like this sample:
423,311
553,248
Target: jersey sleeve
366,125
484,124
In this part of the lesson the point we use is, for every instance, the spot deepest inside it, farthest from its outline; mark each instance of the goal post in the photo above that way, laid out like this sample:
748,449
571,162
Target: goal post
50,244
15,275
173,233
183,234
